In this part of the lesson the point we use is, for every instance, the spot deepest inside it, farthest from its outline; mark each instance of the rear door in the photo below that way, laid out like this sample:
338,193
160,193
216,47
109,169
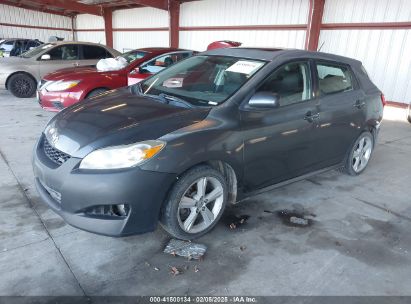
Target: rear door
278,143
61,56
342,110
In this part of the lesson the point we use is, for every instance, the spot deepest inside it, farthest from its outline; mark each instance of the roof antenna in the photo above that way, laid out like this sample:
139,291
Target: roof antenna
319,49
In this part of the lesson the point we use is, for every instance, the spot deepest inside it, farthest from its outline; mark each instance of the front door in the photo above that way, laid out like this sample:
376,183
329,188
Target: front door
278,143
62,56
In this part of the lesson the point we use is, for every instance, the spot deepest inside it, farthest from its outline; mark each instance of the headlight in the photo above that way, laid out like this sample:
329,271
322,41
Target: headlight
61,85
122,156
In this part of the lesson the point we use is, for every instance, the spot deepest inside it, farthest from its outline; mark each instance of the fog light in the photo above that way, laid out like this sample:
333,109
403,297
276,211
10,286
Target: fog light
120,210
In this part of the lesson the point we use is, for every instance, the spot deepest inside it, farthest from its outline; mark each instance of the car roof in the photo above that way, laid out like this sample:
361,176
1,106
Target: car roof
162,50
75,42
269,54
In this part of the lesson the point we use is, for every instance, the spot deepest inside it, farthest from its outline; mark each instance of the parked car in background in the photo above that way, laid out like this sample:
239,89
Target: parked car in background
20,75
206,132
16,47
65,87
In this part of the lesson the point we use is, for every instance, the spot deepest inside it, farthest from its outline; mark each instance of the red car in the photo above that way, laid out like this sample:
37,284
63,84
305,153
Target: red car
65,87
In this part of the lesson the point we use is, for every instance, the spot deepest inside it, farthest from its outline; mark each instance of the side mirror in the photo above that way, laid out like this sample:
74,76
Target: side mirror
264,100
45,57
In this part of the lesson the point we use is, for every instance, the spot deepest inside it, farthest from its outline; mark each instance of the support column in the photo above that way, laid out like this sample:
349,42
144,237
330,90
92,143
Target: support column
108,26
174,22
314,24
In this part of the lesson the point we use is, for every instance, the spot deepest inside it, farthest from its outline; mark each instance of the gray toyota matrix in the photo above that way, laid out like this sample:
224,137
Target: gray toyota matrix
206,132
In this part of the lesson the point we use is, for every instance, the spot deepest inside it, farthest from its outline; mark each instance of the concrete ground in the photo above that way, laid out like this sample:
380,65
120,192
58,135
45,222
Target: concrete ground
358,242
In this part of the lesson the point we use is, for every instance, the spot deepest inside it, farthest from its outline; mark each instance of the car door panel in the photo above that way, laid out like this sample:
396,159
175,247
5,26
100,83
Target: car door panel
278,143
62,56
341,121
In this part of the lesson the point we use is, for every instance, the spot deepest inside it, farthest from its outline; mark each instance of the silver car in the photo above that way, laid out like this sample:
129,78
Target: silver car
20,75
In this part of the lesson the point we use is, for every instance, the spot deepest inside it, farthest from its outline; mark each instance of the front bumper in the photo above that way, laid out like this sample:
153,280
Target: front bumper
77,190
3,79
57,101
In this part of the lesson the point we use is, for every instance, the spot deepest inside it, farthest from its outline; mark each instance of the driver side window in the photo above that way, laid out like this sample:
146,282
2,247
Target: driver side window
64,52
291,83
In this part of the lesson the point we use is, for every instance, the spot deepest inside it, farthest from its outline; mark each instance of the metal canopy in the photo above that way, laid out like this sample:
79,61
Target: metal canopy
94,7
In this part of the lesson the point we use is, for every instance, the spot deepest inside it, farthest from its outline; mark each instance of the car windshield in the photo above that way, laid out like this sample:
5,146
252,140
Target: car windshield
203,80
37,50
133,55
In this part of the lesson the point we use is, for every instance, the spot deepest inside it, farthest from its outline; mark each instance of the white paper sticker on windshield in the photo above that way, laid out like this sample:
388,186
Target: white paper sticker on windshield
173,83
245,67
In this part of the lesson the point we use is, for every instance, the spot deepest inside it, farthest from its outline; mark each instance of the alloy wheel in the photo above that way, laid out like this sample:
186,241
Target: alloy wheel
22,86
361,154
200,205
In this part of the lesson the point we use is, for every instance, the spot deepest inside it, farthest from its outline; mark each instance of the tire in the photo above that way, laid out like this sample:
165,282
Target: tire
198,212
96,92
359,155
22,85
409,114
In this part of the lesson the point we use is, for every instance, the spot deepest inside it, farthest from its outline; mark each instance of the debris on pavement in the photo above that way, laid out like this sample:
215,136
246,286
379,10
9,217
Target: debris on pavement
298,221
196,268
242,248
237,221
294,218
185,249
175,271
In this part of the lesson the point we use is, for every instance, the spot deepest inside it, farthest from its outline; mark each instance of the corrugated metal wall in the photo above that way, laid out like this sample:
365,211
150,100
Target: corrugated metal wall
386,54
86,22
242,13
21,16
145,27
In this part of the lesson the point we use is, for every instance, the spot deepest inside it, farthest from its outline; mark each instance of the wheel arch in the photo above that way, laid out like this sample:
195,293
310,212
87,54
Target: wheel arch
224,168
94,89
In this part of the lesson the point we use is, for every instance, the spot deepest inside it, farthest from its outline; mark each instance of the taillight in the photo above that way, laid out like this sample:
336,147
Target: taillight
384,102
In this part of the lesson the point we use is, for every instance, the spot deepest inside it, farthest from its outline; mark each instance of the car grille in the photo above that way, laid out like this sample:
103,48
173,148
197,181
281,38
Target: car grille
53,154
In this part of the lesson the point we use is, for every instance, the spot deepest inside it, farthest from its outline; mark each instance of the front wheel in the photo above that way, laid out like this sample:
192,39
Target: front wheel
360,154
195,203
22,85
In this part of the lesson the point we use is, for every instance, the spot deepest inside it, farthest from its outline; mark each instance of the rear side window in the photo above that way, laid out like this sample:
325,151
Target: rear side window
291,83
333,78
32,44
95,52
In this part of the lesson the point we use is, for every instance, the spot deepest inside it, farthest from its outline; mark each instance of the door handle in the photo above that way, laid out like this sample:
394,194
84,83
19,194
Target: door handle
310,117
359,104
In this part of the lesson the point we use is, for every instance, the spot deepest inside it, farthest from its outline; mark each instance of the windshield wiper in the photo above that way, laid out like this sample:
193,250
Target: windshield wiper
175,99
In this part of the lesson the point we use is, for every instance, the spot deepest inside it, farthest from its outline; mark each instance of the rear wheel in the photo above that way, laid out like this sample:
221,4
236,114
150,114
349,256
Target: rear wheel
96,92
360,154
409,114
22,85
195,203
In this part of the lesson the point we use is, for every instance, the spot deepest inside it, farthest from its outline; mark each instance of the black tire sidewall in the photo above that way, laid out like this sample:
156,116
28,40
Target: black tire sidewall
169,220
348,164
26,77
